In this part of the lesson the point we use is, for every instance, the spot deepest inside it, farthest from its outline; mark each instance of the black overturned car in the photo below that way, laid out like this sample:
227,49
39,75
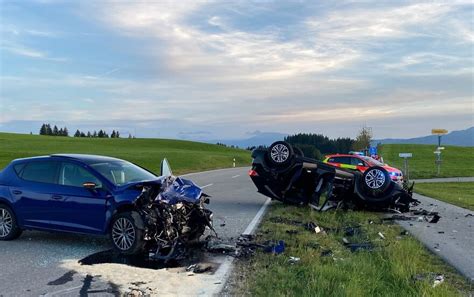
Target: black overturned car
283,173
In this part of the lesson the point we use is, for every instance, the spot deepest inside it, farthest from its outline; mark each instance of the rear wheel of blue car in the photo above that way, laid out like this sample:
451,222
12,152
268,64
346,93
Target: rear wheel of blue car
8,225
126,237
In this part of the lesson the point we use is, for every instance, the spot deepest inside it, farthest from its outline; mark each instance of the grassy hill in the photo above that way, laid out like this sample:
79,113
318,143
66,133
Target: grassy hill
184,156
457,161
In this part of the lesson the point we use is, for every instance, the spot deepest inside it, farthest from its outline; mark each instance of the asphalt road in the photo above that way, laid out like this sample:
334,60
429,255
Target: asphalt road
45,264
467,179
452,238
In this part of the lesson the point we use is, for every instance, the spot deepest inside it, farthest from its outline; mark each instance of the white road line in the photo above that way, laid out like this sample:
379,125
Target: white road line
224,271
236,176
206,186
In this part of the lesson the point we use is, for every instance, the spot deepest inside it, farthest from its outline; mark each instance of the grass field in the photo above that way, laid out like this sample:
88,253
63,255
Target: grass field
399,265
184,156
457,161
460,194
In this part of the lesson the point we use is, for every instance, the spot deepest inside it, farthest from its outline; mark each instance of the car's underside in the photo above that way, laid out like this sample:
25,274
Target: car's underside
283,173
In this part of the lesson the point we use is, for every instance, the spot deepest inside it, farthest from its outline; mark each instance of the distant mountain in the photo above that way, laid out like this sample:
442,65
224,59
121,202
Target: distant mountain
259,138
458,138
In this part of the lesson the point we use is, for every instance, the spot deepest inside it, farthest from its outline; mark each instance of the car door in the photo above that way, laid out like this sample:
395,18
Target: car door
34,193
80,209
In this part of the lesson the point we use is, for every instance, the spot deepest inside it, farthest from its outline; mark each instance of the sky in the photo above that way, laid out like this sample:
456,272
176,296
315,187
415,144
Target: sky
229,69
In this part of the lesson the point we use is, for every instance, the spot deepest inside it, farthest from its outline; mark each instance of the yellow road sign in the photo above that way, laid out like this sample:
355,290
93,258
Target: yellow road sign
439,131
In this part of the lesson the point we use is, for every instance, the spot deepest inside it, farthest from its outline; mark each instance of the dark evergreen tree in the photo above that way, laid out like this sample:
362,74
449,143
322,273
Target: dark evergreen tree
89,134
65,131
100,134
43,130
49,131
55,131
117,134
83,134
113,134
78,133
60,132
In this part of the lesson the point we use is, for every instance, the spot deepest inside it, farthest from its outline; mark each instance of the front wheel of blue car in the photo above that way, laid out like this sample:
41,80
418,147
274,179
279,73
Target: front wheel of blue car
126,237
9,228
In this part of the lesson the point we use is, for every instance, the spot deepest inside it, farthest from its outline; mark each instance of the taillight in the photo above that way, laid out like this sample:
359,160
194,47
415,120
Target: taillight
253,172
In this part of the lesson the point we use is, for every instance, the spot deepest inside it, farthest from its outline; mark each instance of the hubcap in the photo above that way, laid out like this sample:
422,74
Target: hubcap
375,178
6,222
123,234
280,153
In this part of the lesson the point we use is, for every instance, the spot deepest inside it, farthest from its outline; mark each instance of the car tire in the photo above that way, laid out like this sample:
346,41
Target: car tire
280,154
126,237
298,152
375,182
9,228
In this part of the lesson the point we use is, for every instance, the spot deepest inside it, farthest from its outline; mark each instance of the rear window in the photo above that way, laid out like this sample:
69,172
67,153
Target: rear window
40,171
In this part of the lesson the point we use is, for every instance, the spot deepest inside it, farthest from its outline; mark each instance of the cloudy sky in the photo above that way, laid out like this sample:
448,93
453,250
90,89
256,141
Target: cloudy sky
222,69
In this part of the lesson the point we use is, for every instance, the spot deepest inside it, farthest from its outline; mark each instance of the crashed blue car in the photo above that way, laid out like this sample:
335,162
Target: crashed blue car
89,194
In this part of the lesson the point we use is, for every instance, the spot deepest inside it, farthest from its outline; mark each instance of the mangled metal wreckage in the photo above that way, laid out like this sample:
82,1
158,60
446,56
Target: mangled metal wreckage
169,214
282,172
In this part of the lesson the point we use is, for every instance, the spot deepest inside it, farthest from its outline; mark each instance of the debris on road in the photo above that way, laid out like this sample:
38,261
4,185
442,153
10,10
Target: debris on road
293,260
438,280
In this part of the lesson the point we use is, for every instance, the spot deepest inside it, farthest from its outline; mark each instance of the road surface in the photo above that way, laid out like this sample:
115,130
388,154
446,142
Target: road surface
468,179
452,238
46,264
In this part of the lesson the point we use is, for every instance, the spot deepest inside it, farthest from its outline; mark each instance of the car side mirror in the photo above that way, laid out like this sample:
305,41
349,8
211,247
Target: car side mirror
89,185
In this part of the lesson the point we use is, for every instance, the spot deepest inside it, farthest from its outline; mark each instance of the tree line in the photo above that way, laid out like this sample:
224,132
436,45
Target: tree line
95,134
47,130
55,131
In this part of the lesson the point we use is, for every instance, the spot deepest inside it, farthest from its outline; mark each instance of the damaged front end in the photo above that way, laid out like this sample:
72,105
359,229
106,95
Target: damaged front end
171,214
284,174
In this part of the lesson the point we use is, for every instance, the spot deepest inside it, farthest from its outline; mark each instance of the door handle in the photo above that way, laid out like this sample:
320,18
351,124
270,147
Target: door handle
17,192
57,197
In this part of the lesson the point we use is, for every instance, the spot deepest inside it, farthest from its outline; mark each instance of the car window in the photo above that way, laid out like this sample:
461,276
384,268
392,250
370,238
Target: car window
19,168
121,172
357,162
75,175
40,171
343,160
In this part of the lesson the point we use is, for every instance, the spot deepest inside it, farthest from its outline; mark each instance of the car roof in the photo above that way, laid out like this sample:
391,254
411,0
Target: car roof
342,155
78,157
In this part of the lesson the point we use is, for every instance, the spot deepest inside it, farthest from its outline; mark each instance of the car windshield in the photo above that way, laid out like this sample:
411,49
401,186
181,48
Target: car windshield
122,172
373,162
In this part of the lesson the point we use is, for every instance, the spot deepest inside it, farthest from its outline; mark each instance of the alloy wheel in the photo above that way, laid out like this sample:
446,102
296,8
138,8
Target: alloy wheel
6,222
123,234
375,179
280,153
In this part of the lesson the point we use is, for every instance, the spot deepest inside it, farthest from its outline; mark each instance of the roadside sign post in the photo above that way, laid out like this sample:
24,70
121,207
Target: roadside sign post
438,160
439,132
405,157
233,164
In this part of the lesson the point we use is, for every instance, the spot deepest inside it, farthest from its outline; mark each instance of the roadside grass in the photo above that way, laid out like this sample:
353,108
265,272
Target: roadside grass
184,156
460,194
457,161
389,270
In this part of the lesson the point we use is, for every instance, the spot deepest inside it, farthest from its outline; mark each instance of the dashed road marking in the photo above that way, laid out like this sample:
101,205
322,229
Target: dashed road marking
236,176
206,186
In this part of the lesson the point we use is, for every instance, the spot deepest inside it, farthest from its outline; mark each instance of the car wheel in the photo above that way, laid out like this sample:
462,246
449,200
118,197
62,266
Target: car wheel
280,153
298,152
375,181
126,237
9,229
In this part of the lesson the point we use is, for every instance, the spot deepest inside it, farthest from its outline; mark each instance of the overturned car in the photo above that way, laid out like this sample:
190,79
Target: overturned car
282,172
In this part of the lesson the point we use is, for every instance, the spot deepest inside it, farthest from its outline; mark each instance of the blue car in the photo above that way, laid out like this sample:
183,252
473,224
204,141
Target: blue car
89,194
